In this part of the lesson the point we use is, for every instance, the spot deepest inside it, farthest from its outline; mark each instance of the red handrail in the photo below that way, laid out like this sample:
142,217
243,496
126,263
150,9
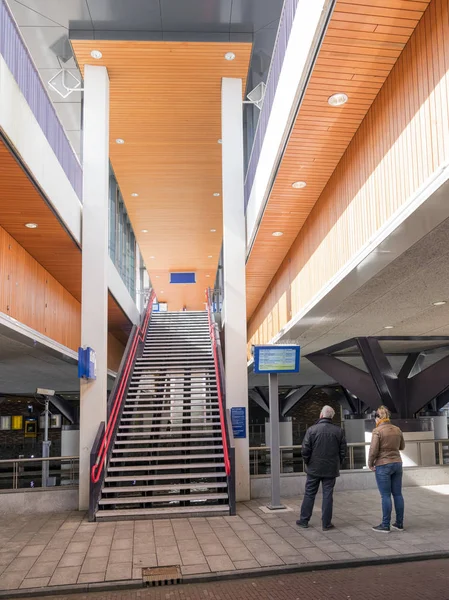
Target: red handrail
109,429
213,338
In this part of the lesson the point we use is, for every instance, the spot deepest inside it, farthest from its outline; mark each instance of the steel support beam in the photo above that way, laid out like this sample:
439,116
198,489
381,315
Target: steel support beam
427,385
294,397
257,398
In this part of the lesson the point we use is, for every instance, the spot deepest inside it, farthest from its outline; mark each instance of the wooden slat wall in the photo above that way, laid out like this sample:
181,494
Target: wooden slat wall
401,142
29,294
361,46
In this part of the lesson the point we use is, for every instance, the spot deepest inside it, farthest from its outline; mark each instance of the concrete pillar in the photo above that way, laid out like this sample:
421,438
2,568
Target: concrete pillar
94,307
234,254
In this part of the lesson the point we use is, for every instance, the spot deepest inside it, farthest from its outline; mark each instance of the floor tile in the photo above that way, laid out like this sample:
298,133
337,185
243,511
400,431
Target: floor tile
220,563
44,569
117,572
65,576
37,582
94,565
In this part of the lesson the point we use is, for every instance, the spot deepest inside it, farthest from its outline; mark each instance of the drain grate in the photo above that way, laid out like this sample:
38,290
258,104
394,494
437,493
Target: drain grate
161,576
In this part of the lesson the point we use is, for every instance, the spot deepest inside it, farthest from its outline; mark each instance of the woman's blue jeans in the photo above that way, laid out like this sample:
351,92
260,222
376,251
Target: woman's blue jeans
389,482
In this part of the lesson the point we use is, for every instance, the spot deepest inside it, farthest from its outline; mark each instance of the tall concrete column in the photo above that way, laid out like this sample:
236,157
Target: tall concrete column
94,307
234,254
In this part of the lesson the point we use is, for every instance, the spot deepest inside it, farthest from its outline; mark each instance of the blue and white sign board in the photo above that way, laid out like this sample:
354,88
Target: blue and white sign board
87,363
238,420
276,359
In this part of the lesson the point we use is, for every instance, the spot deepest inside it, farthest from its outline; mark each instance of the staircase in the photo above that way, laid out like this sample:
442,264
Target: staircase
167,459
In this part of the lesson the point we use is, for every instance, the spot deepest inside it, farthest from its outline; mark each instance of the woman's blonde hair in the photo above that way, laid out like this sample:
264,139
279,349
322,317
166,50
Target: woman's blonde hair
383,413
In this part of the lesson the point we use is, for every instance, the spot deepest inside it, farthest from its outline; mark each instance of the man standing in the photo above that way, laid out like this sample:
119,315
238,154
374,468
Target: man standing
323,451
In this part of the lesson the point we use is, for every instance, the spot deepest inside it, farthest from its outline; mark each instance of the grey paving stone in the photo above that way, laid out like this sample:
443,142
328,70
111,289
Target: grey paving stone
94,565
72,560
36,582
65,576
220,563
314,555
44,569
91,577
117,572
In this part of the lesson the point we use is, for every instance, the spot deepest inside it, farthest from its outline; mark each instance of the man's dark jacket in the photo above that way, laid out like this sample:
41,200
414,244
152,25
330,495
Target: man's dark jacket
324,449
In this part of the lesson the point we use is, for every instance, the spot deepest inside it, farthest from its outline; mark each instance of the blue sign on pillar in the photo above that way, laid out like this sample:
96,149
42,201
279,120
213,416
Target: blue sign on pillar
87,363
238,420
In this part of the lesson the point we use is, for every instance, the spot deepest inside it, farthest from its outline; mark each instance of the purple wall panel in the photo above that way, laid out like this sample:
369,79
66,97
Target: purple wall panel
285,27
21,65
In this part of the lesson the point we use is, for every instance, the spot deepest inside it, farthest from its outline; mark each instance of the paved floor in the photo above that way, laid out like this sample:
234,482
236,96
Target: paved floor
62,549
427,580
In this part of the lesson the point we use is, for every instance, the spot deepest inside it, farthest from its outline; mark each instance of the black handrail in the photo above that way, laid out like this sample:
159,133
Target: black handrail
230,450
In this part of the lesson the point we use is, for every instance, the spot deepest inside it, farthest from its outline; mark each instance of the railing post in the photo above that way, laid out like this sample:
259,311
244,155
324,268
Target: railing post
351,458
440,453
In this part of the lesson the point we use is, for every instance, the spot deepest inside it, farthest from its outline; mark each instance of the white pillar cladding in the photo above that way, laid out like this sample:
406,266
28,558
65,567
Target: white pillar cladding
234,254
94,307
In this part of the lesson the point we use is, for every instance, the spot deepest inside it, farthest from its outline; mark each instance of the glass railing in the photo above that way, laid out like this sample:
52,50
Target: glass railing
356,457
29,473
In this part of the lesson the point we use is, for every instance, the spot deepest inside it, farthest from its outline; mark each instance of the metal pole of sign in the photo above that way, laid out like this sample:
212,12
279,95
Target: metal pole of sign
273,384
45,446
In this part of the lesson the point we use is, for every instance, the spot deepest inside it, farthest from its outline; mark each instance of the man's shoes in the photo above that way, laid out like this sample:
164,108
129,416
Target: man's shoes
381,529
302,524
397,527
329,527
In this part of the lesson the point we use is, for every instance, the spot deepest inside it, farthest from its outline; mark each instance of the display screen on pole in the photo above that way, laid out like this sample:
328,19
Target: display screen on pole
276,359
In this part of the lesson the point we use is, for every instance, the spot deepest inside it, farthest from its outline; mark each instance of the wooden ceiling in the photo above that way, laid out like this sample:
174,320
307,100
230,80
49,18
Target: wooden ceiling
50,244
361,46
165,104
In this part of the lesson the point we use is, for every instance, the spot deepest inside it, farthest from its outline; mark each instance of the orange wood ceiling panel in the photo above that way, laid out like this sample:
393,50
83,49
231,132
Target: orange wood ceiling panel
361,46
165,102
52,247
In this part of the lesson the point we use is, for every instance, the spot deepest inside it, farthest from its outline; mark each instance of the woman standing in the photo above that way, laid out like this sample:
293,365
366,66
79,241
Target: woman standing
385,459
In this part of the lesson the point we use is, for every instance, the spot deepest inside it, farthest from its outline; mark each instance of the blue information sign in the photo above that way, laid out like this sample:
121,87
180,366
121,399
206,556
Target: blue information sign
87,363
276,359
238,419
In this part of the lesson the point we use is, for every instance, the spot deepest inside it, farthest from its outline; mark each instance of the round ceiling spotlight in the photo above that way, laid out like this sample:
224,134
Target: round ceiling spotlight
439,303
213,230
338,99
119,141
210,256
277,233
207,275
216,194
144,230
31,225
152,257
134,195
229,56
299,185
96,54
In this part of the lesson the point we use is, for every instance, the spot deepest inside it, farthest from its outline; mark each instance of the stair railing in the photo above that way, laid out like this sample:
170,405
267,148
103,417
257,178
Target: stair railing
101,449
228,447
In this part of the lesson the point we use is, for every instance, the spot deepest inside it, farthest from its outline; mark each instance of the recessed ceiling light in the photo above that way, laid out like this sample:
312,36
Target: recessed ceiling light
96,54
299,184
216,194
31,225
277,233
213,230
134,195
229,56
152,257
119,141
162,291
157,276
144,230
210,256
338,99
220,141
207,275
439,303
388,327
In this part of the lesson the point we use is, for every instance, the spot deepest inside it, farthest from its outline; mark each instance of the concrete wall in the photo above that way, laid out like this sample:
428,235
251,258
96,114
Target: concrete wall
38,501
293,484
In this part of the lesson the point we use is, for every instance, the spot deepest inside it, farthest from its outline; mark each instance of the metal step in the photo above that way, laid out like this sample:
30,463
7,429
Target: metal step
186,413
173,457
164,488
159,433
162,513
142,398
185,467
168,395
210,423
169,449
170,498
159,477
138,420
164,406
169,441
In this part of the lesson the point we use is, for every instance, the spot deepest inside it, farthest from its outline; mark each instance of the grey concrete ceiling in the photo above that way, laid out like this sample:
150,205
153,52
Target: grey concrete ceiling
26,365
45,26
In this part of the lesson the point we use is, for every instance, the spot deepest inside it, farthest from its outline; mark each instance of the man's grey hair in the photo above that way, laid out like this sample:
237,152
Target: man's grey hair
327,412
